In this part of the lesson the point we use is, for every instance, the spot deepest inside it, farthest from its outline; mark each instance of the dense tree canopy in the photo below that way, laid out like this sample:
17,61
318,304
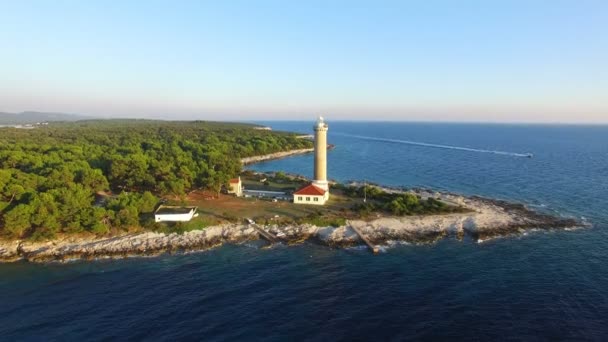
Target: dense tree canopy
51,176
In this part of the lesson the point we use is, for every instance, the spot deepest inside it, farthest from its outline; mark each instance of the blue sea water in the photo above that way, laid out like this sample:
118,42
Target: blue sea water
549,285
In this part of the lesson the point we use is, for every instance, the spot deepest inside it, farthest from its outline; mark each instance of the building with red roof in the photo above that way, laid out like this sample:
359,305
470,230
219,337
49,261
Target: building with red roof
311,194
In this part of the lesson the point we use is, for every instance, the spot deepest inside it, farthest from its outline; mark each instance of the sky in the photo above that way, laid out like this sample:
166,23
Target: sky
426,60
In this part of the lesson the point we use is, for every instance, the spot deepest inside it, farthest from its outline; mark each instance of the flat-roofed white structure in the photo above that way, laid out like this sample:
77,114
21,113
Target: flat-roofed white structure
174,214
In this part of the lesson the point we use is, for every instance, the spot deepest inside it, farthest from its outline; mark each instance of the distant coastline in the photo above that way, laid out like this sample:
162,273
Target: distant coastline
279,155
273,156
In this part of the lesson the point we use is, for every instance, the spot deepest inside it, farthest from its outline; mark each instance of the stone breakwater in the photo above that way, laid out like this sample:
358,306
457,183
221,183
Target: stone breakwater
487,218
272,156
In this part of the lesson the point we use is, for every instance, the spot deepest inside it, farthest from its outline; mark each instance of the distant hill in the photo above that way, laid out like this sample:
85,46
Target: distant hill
33,117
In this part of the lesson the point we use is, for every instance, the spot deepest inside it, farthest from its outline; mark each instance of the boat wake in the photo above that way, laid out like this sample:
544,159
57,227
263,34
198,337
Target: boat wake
446,147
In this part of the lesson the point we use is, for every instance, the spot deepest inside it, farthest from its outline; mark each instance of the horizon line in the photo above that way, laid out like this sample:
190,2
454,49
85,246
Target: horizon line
313,117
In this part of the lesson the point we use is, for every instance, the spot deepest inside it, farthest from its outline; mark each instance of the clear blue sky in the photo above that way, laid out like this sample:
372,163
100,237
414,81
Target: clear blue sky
529,60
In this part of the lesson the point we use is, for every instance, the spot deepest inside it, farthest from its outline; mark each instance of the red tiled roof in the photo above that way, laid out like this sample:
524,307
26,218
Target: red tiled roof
310,189
234,181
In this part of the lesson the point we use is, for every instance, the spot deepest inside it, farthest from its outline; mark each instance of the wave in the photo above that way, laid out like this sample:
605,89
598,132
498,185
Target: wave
356,248
446,147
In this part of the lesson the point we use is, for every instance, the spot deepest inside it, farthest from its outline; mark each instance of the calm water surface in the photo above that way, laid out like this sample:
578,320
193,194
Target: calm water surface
538,286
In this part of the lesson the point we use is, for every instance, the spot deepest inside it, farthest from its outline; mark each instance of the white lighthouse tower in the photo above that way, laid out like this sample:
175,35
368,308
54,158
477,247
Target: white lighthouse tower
320,176
317,192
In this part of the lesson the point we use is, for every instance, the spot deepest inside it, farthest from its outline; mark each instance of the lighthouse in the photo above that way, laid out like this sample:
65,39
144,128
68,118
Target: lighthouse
317,192
320,175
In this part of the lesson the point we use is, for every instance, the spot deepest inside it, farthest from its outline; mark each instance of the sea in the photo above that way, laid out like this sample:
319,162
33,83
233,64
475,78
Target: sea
534,286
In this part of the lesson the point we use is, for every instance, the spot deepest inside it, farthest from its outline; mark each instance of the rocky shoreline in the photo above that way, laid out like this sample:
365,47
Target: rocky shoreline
487,219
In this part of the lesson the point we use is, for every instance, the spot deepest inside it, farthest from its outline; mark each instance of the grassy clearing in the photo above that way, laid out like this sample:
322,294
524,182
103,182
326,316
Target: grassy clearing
345,203
228,208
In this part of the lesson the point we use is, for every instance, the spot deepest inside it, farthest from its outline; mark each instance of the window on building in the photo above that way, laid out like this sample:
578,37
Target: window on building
299,198
308,199
316,199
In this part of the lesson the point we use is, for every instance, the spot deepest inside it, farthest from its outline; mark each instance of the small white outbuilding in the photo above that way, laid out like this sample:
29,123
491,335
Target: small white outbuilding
174,214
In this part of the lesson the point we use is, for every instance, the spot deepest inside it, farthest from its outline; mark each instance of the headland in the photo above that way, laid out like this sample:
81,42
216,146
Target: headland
484,219
107,209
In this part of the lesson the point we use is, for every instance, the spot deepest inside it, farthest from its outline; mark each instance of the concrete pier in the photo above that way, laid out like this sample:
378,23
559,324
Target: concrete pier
264,234
371,246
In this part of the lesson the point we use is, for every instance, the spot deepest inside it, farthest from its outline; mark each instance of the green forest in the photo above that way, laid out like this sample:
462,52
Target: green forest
51,177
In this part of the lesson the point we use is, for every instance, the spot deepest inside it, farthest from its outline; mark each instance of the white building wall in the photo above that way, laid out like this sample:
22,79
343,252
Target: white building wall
174,217
236,188
309,199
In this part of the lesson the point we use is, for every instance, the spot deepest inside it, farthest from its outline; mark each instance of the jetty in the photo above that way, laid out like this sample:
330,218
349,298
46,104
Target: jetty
266,235
369,244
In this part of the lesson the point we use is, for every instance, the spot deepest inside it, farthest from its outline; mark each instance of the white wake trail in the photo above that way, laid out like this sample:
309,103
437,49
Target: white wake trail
447,147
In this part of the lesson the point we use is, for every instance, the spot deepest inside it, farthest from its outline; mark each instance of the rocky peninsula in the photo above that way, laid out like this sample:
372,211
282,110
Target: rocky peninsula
486,219
410,216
